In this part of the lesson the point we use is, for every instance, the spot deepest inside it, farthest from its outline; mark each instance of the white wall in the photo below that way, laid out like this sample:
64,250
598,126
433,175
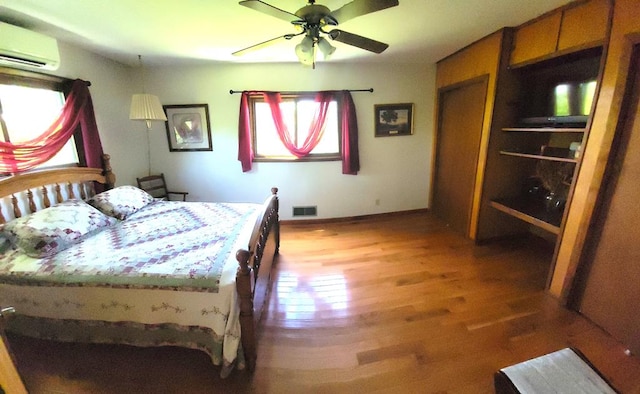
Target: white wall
394,170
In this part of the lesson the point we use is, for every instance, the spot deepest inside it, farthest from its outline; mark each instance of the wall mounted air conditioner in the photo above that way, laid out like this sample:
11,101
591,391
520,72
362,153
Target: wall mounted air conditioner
22,47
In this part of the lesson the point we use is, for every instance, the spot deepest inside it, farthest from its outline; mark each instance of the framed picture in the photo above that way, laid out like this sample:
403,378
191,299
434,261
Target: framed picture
393,119
188,127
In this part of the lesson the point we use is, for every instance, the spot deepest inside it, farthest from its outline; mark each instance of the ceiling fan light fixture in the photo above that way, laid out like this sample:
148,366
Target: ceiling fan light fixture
312,18
304,47
326,48
304,50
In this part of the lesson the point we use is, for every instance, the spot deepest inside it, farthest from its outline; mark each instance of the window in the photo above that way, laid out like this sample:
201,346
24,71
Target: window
27,108
298,111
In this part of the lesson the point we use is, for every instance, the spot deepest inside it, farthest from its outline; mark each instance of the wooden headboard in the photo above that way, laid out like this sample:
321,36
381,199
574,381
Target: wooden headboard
37,190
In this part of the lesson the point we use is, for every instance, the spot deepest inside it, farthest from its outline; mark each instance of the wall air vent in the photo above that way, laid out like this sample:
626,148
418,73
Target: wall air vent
305,211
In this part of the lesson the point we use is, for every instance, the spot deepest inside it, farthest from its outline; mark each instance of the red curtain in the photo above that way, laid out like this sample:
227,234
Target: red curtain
77,111
350,159
316,129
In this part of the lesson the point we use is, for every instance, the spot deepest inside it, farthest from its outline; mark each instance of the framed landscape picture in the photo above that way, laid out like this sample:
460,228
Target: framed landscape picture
188,127
393,119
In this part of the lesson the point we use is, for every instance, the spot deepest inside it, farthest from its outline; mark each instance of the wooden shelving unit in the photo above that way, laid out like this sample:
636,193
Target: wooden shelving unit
545,129
538,157
532,212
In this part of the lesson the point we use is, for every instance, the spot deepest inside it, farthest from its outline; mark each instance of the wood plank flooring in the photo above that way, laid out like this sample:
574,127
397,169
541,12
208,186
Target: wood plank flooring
396,304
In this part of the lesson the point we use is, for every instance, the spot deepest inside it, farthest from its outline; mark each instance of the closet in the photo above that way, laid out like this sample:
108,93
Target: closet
593,230
542,81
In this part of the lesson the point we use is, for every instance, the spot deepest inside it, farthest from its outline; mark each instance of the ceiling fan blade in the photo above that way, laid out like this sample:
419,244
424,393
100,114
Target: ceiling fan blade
268,9
262,45
360,7
358,41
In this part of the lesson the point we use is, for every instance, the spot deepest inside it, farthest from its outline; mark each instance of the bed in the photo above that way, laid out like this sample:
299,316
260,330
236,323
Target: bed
118,266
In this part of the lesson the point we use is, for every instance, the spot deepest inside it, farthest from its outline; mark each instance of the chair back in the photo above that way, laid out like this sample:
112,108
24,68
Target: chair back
154,185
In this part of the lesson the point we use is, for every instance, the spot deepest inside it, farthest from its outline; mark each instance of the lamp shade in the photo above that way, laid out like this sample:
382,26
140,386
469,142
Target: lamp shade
146,107
304,51
326,48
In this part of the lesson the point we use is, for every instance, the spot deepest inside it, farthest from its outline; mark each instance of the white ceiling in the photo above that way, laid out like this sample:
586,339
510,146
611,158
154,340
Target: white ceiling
169,32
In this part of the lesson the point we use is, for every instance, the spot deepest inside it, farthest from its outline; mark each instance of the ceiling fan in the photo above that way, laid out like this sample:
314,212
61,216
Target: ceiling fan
312,20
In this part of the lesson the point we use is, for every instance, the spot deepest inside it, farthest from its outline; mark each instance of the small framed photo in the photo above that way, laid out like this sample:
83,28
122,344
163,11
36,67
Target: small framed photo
188,127
393,119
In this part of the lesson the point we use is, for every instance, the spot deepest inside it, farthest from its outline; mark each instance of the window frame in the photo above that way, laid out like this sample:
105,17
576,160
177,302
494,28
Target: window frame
31,79
312,157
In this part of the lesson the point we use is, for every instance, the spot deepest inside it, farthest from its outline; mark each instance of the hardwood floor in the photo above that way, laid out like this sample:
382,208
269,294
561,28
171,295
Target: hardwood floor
388,304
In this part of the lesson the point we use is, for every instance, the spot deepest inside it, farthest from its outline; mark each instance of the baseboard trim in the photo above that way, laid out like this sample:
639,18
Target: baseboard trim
354,218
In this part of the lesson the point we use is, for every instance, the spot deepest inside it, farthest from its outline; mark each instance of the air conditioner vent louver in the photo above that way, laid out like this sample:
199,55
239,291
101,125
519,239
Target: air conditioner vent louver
305,211
26,62
22,47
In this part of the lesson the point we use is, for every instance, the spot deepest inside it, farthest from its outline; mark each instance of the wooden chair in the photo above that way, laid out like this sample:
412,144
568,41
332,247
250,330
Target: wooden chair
157,187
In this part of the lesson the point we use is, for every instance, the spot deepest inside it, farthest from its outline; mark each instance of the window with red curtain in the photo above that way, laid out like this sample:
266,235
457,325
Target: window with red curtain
64,134
309,126
297,112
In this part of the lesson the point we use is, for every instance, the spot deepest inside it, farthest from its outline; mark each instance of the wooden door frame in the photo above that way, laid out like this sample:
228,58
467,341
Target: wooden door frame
575,266
609,178
484,79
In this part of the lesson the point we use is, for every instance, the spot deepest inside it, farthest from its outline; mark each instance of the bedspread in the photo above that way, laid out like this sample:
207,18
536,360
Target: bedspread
171,263
164,245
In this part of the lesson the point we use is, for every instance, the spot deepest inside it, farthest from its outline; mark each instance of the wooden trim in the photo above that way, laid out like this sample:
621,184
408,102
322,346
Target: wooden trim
576,172
353,218
605,194
588,175
33,79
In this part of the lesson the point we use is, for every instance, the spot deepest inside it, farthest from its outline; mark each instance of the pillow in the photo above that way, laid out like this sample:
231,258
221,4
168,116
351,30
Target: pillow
121,201
51,230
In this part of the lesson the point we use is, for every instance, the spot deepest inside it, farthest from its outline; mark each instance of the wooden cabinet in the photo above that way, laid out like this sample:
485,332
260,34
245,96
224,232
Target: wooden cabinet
576,27
584,26
537,39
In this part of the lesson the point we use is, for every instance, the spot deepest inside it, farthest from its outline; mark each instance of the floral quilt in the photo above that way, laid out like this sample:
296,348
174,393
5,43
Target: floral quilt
165,245
169,264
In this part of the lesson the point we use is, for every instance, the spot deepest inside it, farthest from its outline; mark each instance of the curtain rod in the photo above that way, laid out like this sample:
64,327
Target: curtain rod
370,90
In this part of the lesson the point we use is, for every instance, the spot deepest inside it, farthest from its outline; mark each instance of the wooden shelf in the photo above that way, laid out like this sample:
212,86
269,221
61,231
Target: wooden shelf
545,129
532,212
538,157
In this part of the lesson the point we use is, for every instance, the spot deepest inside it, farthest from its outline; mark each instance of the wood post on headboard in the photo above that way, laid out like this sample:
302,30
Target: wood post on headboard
108,172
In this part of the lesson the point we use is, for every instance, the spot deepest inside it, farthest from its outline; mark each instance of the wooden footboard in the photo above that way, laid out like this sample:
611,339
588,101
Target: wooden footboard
253,279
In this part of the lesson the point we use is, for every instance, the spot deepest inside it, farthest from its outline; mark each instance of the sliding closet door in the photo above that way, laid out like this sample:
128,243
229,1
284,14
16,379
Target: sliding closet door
457,148
612,293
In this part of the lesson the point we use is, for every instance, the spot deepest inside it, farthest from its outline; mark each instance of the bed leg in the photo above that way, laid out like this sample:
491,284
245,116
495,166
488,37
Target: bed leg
244,285
276,220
